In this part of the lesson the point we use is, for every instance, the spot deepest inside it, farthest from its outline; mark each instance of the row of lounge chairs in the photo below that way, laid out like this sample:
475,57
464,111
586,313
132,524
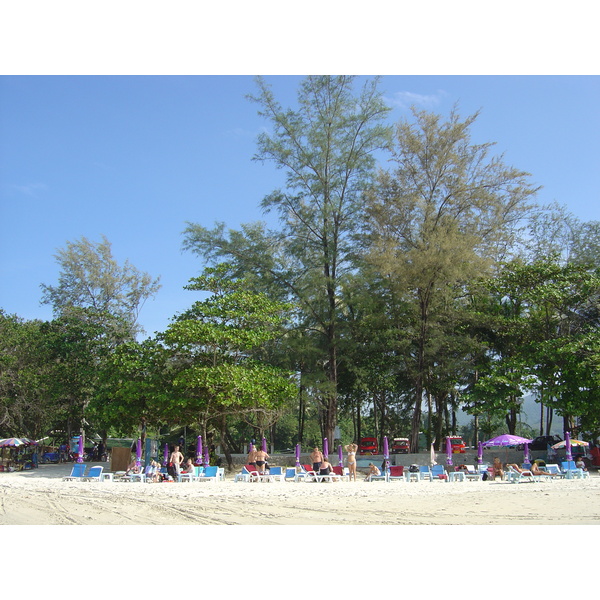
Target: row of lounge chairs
96,473
304,473
567,470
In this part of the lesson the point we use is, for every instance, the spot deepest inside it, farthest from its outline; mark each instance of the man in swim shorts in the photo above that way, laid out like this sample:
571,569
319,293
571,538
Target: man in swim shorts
316,457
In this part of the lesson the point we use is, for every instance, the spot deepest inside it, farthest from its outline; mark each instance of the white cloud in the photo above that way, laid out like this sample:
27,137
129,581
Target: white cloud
405,100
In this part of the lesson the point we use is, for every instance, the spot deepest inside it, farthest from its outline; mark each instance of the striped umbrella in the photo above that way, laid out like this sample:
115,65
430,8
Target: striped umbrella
12,443
563,444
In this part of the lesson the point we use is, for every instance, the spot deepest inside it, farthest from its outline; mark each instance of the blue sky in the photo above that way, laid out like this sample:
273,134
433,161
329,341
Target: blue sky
136,157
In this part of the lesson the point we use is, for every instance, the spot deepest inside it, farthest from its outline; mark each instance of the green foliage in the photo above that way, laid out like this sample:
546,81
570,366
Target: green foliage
211,348
326,147
91,278
435,221
24,407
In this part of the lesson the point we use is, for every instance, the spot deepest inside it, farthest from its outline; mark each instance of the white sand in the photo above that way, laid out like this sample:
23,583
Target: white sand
40,497
235,560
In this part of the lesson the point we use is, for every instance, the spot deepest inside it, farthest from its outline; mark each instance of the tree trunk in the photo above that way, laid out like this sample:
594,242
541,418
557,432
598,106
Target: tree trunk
224,443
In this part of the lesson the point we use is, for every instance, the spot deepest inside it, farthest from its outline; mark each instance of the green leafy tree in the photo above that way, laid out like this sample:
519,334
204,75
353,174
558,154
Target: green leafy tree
25,409
439,218
326,148
77,344
133,388
542,334
215,356
90,277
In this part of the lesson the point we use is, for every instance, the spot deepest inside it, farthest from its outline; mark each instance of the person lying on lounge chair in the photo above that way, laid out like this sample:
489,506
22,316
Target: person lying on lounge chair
518,469
535,469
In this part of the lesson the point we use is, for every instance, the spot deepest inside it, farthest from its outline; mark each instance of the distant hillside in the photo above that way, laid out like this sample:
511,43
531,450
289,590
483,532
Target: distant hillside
530,415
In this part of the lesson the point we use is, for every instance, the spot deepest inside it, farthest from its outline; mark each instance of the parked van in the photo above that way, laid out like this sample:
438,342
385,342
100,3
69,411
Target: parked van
458,446
400,446
367,445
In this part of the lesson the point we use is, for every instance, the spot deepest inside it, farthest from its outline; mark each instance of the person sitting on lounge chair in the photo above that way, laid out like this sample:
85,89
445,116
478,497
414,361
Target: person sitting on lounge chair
373,470
326,468
133,467
497,470
152,472
188,466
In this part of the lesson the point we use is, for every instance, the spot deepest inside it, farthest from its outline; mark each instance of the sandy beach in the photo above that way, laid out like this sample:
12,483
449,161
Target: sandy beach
286,530
40,497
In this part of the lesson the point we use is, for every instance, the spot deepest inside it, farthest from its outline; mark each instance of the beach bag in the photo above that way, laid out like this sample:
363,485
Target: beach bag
485,476
413,469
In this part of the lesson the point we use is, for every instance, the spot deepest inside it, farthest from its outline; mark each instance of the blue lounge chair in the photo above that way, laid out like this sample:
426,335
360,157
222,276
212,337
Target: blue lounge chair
276,474
77,472
439,472
290,474
193,476
425,473
95,474
571,471
210,474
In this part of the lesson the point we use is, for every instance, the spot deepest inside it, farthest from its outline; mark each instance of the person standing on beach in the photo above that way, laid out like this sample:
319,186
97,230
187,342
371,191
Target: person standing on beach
316,456
252,456
351,450
261,459
176,460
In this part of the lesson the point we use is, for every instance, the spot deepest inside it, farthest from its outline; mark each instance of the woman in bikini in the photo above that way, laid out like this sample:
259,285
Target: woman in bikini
351,450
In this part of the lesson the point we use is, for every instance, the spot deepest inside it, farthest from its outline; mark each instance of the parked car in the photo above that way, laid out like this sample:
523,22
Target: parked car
543,441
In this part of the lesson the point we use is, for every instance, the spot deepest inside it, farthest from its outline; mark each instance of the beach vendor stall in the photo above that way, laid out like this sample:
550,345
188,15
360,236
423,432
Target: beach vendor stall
17,455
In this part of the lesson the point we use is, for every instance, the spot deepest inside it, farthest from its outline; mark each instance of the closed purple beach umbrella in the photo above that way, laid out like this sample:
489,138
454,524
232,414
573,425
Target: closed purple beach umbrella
264,444
138,453
80,450
206,458
569,456
479,453
526,453
448,451
325,448
297,455
340,456
166,455
199,450
386,452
